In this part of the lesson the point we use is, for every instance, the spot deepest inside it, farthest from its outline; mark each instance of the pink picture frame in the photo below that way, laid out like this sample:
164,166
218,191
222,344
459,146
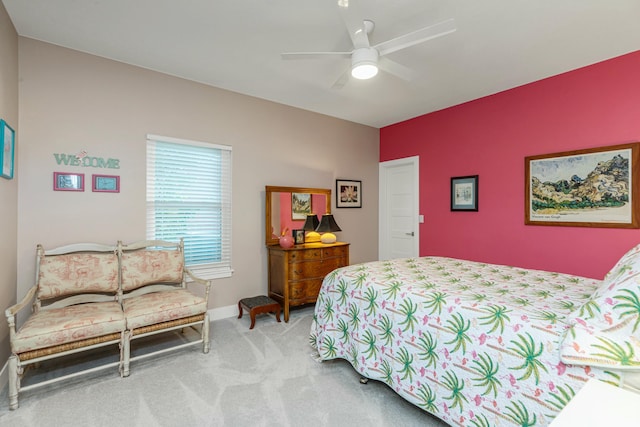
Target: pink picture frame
105,183
68,181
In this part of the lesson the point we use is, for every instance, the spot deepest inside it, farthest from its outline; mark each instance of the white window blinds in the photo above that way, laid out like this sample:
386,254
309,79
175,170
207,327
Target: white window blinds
189,196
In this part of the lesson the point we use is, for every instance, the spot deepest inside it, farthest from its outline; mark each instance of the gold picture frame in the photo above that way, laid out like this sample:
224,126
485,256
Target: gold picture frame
595,187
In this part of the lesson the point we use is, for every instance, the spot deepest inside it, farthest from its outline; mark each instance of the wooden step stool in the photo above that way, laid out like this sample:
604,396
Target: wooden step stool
257,305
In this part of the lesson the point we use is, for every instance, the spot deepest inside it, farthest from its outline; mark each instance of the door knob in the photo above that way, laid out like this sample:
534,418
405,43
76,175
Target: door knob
409,234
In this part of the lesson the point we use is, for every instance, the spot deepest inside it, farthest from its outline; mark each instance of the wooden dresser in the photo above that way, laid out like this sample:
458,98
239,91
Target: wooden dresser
295,274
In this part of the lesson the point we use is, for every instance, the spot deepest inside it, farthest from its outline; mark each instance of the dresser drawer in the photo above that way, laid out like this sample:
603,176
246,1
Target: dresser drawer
304,291
304,270
306,255
338,251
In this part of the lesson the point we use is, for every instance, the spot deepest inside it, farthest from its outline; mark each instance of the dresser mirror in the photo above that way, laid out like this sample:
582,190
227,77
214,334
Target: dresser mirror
280,213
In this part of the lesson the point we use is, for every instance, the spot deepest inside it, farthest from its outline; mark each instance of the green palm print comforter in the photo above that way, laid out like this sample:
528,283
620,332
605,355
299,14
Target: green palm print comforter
474,344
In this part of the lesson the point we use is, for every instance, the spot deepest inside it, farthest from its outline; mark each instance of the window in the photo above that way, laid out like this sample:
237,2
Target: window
189,196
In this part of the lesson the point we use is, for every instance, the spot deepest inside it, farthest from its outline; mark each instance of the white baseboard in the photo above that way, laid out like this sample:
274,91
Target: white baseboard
223,312
214,314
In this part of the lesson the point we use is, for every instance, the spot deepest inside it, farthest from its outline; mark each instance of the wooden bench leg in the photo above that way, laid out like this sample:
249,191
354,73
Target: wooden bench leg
14,382
205,333
126,354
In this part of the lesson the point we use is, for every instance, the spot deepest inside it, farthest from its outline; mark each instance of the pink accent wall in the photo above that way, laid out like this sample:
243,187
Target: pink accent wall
595,106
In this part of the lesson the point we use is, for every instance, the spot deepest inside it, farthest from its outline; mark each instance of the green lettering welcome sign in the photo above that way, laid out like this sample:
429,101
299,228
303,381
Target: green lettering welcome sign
85,161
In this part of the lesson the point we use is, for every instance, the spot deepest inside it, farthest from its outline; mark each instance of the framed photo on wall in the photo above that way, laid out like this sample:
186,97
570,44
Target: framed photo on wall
7,149
348,193
595,187
464,193
106,183
66,181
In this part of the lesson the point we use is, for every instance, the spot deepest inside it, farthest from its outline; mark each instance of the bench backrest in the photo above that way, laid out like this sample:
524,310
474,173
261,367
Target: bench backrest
88,272
151,263
77,269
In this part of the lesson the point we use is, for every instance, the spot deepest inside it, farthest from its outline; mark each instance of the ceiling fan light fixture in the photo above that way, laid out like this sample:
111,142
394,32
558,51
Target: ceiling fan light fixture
364,63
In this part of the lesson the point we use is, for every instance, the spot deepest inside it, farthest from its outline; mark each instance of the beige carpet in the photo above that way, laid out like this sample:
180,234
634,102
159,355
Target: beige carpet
264,377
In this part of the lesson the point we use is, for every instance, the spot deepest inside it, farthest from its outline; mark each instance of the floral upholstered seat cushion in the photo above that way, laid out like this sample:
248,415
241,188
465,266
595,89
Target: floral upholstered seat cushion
158,307
606,329
79,273
146,267
48,328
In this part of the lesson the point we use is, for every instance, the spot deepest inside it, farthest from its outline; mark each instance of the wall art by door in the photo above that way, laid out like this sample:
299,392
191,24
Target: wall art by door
348,193
464,193
596,187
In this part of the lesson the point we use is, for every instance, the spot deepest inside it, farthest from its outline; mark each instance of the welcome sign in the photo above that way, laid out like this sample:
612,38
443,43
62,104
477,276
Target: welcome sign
83,160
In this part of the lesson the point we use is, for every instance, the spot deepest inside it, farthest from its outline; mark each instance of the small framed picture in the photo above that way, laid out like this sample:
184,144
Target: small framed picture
348,193
106,183
464,193
7,149
298,237
65,181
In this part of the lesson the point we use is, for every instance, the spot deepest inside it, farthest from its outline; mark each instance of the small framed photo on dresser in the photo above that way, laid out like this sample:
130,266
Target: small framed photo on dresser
298,237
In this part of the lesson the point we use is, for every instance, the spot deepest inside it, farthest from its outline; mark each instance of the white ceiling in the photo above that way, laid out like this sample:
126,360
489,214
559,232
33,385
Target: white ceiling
236,45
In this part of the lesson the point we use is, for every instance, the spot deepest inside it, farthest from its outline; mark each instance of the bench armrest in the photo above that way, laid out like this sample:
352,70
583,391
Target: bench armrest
199,281
11,312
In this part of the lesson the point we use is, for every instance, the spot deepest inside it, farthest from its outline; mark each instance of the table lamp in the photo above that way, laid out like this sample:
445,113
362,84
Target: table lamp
310,225
327,227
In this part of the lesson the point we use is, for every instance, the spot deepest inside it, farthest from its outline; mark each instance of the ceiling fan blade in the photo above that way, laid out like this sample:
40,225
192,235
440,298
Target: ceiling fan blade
354,22
392,67
418,36
312,55
342,80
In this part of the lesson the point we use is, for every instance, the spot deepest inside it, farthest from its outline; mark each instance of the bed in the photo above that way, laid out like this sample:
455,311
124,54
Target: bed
478,344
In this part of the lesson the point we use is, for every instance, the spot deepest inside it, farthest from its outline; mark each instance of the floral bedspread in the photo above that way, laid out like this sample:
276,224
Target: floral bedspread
474,344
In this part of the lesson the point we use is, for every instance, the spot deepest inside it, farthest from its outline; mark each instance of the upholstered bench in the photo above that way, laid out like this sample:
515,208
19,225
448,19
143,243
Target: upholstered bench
258,305
88,296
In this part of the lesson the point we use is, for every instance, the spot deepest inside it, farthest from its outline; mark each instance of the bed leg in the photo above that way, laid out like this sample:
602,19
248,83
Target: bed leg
364,380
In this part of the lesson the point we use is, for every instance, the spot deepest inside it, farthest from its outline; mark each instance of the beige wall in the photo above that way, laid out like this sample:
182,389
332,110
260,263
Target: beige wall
71,101
8,188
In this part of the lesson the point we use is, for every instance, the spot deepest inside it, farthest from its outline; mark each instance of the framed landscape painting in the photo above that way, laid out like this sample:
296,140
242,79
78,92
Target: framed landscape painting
595,187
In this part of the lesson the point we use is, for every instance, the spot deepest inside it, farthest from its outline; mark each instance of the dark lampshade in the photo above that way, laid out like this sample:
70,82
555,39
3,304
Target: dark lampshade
328,226
311,223
309,226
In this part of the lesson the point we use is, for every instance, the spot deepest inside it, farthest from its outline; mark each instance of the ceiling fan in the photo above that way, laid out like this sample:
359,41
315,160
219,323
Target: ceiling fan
367,59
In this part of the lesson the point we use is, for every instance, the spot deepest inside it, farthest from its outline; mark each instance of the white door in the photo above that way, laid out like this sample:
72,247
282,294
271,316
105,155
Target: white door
399,232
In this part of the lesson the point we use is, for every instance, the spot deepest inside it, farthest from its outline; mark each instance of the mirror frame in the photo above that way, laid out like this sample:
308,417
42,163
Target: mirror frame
269,189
